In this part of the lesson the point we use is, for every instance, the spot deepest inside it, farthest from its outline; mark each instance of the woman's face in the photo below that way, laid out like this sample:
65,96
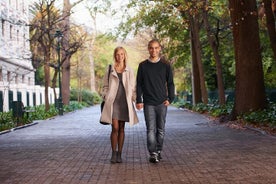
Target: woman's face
120,56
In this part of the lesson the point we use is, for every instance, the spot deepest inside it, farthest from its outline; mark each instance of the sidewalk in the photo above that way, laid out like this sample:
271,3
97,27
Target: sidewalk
75,149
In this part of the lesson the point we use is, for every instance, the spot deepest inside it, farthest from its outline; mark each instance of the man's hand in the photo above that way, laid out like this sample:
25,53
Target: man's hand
166,103
139,106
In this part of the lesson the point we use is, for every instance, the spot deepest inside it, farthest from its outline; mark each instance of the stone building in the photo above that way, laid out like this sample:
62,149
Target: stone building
17,74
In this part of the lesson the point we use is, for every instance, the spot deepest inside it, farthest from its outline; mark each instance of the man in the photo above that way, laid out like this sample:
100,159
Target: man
155,91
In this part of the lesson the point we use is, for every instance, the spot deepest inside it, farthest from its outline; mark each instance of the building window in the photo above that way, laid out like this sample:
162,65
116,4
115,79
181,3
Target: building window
8,76
11,32
16,4
29,81
3,28
23,79
23,8
24,41
16,78
1,74
17,36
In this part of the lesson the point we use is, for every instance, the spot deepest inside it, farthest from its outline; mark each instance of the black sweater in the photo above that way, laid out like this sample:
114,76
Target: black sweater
154,83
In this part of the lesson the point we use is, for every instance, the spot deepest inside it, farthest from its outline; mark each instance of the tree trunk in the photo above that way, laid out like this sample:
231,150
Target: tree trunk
90,46
47,79
270,24
66,81
66,64
250,90
214,47
80,89
197,98
92,70
194,26
54,83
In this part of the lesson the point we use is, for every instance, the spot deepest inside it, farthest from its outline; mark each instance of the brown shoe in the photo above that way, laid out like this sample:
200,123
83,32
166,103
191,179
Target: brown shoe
113,157
119,157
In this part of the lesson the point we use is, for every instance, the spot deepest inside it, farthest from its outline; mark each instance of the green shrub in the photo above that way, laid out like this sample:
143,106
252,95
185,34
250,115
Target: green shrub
74,105
182,104
86,96
6,121
217,110
264,117
97,98
200,107
40,113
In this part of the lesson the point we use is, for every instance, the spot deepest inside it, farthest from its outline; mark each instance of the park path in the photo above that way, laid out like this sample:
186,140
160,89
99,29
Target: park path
75,149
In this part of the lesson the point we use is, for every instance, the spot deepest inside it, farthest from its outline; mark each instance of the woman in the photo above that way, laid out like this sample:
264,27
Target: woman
119,94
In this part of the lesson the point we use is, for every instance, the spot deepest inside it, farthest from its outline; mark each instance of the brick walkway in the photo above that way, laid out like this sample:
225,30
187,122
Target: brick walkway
75,149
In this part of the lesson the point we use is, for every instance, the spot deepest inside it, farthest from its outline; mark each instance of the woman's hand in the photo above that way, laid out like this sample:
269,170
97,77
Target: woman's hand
139,106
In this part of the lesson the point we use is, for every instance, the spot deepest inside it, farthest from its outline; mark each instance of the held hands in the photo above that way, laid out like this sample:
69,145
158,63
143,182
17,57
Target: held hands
139,106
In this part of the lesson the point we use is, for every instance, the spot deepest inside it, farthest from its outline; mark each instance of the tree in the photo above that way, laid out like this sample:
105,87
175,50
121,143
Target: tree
102,56
270,12
47,20
94,8
67,7
250,90
214,45
76,41
195,76
169,20
195,41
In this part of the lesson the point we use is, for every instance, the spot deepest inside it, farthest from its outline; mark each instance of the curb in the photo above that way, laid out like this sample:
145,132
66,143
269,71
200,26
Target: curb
17,128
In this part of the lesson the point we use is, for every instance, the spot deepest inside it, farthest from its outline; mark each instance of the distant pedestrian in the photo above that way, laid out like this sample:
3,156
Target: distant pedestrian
119,95
155,91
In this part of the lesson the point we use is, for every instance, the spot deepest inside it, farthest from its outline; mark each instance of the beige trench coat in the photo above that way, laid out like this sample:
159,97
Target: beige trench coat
109,92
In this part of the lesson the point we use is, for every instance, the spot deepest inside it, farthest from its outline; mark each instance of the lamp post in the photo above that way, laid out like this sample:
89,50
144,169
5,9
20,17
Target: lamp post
59,35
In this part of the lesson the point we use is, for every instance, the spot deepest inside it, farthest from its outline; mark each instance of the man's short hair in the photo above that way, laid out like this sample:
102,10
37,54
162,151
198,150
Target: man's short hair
154,41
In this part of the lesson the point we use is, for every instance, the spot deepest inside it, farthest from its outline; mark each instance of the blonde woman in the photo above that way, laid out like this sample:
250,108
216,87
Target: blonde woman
119,94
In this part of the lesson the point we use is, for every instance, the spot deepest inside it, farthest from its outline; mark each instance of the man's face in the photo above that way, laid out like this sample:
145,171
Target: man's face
154,50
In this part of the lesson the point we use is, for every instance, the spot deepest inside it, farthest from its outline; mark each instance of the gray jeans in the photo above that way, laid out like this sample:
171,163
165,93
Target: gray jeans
155,117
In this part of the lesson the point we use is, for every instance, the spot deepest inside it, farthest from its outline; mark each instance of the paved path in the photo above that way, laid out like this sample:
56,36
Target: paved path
75,149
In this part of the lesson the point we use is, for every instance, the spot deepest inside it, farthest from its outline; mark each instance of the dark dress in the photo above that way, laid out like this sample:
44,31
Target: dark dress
120,109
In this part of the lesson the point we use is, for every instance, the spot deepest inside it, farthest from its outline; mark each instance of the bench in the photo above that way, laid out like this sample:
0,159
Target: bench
18,110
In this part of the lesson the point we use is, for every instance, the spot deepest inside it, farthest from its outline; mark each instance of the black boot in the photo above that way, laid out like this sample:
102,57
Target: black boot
119,157
113,157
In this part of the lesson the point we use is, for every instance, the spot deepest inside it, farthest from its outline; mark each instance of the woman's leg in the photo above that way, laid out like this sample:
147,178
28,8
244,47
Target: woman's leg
121,139
121,136
114,139
114,134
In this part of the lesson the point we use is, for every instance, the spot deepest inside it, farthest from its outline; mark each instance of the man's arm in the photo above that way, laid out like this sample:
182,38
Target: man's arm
170,84
139,82
139,91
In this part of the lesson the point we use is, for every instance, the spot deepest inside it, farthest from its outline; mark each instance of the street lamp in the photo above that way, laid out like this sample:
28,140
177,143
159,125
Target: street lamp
59,35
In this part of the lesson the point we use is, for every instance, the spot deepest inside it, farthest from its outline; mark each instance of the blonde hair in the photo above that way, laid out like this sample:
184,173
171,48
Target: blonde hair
125,53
